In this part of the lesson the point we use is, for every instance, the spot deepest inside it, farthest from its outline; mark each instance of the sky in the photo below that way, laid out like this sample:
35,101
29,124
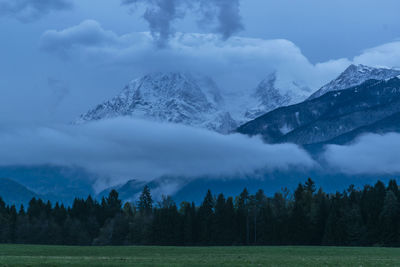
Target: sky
59,58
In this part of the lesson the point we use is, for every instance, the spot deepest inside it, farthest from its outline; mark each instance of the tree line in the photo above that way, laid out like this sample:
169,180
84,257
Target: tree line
355,217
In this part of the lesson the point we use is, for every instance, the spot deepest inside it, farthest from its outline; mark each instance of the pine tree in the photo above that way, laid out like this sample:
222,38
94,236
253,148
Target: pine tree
206,219
243,220
145,203
190,223
220,220
113,204
389,218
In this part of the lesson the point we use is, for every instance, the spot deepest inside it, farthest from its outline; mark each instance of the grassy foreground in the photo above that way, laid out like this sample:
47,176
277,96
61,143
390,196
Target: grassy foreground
26,255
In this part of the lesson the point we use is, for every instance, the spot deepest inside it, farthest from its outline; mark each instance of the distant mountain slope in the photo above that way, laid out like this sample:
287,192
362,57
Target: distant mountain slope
195,189
355,75
14,193
52,182
127,191
329,116
386,125
164,185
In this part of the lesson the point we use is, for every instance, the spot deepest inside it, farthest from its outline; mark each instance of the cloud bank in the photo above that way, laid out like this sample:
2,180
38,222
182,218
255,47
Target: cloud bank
386,55
87,34
29,10
126,149
370,154
236,64
161,15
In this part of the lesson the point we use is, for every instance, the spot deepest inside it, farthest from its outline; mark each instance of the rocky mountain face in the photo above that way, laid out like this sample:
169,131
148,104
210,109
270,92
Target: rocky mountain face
337,113
191,100
355,75
168,97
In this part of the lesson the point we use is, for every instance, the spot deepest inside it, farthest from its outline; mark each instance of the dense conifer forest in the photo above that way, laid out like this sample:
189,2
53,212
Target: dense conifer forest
356,217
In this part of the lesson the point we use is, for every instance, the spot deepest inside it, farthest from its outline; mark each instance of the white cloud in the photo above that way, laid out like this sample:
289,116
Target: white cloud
370,154
87,34
126,149
387,55
237,63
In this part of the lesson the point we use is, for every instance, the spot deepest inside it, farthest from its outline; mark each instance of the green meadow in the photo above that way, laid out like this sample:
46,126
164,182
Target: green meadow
29,255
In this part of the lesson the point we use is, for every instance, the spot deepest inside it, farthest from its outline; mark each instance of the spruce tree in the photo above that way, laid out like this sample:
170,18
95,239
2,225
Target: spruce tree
206,219
389,218
145,203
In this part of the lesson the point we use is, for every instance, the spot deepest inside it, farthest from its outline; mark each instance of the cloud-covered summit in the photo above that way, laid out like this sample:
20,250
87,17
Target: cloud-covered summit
237,63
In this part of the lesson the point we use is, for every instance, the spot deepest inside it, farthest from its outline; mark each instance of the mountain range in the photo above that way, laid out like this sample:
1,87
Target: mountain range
360,100
195,100
338,115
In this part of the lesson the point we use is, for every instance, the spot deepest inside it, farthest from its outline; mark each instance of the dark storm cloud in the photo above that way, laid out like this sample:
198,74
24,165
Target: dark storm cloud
227,14
29,10
161,14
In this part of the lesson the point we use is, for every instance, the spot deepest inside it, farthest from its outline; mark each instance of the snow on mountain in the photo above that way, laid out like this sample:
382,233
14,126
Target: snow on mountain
355,75
274,92
169,97
195,100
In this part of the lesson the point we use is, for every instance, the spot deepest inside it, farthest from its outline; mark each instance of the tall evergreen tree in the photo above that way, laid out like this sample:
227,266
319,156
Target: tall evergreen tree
206,219
243,220
389,218
145,203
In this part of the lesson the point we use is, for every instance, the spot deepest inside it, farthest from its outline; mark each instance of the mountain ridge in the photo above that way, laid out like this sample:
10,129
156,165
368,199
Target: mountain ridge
330,115
355,75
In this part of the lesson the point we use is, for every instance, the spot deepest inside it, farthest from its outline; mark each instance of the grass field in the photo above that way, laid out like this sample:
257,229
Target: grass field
26,255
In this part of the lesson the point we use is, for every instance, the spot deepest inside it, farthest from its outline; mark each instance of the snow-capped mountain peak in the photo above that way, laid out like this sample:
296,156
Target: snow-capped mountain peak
355,75
195,100
168,97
